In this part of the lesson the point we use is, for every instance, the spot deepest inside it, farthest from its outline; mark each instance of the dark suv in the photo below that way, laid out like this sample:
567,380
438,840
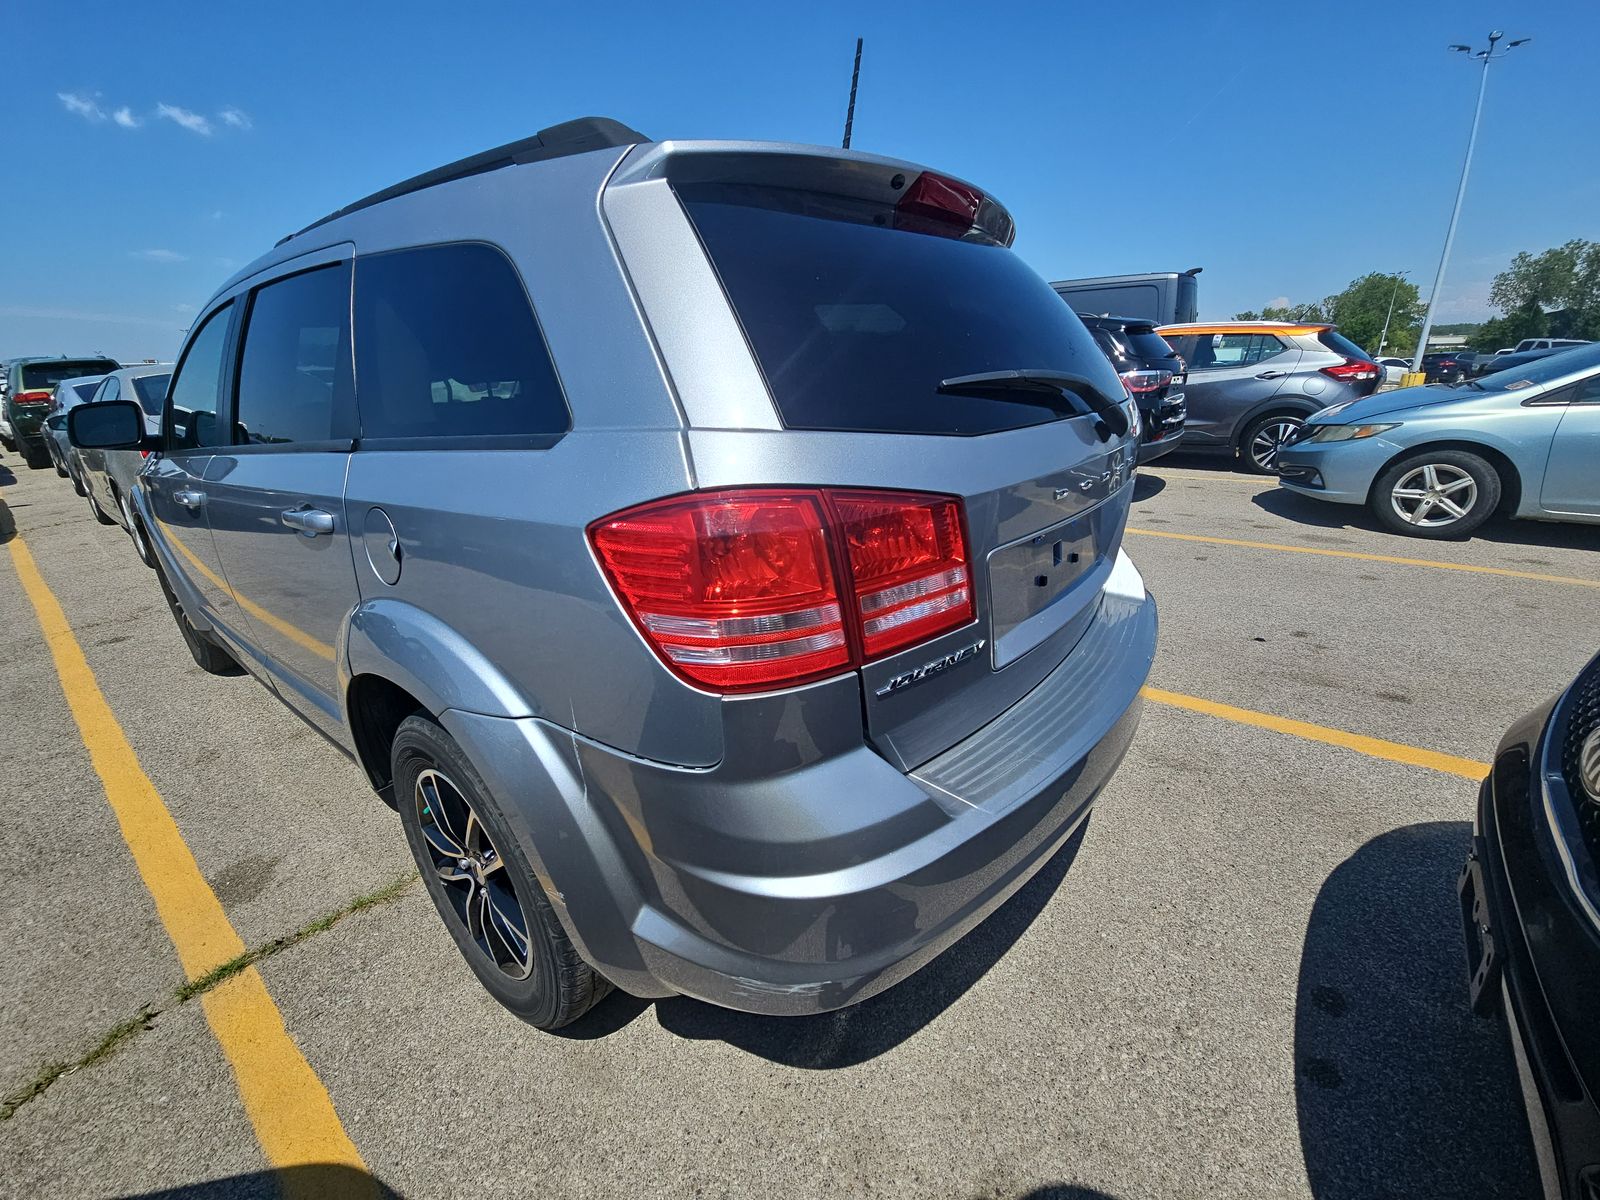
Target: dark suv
713,549
31,390
1153,374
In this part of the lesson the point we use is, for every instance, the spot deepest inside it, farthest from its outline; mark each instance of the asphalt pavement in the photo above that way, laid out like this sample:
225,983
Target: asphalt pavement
1245,978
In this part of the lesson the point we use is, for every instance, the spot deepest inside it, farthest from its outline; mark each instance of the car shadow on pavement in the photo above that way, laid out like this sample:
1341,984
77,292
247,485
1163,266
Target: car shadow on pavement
314,1179
1304,510
1145,486
863,1031
1399,1089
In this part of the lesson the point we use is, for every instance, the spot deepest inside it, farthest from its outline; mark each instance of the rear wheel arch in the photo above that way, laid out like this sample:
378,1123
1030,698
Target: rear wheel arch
376,707
1510,478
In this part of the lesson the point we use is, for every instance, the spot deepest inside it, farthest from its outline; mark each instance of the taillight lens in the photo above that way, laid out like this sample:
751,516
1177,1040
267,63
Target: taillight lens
33,397
908,565
938,205
737,590
1143,383
1354,369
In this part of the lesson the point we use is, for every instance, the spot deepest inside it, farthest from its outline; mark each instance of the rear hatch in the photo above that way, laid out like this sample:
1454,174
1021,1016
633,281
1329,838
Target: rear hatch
856,311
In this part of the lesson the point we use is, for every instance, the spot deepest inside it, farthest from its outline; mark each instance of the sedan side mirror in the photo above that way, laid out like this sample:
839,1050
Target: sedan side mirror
108,425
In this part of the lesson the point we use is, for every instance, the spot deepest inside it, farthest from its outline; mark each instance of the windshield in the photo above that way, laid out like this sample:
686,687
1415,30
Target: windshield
856,324
1542,370
152,391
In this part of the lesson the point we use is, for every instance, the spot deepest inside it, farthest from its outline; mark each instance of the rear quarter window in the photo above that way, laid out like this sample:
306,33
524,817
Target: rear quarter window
855,323
447,346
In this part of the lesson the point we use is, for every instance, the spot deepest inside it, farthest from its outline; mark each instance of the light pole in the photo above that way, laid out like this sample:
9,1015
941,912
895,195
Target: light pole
1383,337
1488,56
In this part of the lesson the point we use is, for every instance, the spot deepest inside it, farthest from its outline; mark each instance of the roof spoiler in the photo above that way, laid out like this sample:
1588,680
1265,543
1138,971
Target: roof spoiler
558,141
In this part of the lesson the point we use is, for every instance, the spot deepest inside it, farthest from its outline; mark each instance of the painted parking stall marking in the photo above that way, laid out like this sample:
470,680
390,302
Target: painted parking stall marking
287,1104
1399,752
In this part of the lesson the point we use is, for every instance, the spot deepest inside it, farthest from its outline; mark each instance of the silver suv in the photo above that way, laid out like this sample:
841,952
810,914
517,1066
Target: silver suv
711,549
1252,384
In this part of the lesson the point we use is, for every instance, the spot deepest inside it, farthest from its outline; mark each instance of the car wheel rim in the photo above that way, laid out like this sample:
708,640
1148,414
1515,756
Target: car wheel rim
476,882
1434,495
1269,439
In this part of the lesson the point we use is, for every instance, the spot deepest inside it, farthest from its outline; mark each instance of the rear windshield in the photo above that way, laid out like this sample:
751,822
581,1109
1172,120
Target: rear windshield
1339,344
152,391
48,374
855,324
1146,343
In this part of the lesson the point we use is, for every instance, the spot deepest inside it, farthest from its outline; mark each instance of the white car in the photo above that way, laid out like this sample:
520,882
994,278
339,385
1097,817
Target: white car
1393,368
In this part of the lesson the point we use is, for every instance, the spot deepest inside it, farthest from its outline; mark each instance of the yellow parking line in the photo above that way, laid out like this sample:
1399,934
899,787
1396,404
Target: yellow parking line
288,1106
1411,756
270,619
1356,554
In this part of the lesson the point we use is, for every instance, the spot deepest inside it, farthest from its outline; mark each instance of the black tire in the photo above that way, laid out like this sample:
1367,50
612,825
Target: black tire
94,507
1257,460
1450,470
77,483
209,655
37,460
8,443
60,470
549,985
141,544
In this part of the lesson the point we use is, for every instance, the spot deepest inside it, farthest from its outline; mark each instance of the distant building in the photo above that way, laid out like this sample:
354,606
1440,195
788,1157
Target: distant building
1446,341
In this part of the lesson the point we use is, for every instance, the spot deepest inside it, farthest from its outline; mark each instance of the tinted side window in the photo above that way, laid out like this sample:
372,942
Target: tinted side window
111,390
447,346
294,367
1243,349
196,386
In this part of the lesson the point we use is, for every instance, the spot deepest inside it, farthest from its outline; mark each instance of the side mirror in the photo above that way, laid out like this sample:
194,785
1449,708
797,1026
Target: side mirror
109,425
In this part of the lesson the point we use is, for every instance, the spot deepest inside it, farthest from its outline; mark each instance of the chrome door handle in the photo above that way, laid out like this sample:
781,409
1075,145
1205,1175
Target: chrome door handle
309,521
1272,375
189,498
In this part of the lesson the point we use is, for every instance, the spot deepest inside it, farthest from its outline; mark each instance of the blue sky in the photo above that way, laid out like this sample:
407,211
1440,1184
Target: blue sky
1284,148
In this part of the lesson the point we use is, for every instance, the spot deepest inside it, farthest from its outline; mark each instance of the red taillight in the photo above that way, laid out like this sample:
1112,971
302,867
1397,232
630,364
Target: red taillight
908,564
33,397
1143,383
1354,369
938,205
738,590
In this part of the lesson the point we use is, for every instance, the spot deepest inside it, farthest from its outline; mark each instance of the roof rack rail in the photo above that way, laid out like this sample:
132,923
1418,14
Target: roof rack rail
558,141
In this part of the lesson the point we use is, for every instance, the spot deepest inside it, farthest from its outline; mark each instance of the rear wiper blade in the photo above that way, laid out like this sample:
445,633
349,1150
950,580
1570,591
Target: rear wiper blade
1047,386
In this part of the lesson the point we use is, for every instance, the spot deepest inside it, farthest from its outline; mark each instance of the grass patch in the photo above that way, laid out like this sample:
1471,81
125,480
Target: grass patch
146,1016
322,924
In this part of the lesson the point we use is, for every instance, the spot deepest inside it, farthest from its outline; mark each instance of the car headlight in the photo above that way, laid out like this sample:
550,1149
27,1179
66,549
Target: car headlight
1348,433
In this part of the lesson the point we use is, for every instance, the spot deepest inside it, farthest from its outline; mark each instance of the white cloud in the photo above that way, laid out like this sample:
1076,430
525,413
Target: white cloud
1278,302
161,256
1464,301
27,312
124,117
84,106
192,121
235,118
186,309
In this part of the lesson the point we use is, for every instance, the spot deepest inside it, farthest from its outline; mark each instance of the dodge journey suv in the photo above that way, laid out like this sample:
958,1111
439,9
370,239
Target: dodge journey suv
712,550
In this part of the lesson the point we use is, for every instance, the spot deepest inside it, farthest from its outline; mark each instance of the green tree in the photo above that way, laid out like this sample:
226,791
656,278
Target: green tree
1560,287
1525,321
1359,312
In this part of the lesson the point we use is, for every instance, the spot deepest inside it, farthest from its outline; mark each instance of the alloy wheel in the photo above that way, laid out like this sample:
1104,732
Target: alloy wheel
474,875
1271,438
1434,495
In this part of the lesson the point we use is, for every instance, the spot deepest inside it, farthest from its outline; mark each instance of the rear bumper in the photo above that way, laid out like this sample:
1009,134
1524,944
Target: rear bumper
815,887
1532,959
1150,451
